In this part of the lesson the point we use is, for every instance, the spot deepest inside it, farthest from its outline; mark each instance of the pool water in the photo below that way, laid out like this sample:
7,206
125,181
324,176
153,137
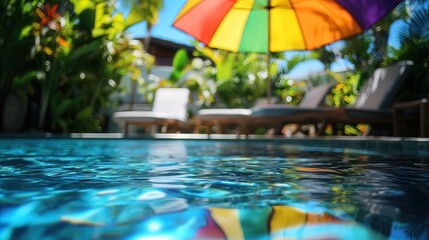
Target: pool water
208,189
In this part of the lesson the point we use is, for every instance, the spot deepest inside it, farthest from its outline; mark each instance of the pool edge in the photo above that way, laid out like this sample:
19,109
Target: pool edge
404,147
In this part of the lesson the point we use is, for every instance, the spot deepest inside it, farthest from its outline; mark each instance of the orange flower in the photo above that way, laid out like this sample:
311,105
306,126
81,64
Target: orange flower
340,86
48,16
63,42
48,50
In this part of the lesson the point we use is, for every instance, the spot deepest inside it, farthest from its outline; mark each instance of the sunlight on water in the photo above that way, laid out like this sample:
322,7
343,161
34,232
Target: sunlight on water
176,189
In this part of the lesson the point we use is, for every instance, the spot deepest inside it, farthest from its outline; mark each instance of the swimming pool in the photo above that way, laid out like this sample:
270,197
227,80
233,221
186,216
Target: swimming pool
212,189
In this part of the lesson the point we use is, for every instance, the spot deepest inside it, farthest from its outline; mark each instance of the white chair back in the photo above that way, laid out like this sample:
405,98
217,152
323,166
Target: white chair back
173,101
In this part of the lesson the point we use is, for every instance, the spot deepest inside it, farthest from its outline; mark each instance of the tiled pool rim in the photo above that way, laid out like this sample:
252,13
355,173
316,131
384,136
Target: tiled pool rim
401,147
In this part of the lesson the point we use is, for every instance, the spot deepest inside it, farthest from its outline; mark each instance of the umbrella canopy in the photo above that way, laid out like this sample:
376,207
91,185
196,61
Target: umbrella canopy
265,26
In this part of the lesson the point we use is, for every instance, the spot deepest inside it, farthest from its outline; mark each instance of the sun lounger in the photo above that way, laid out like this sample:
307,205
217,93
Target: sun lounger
268,116
373,104
407,114
169,113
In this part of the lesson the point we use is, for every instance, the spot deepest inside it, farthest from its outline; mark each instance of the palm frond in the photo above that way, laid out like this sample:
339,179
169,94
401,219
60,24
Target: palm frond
416,27
297,58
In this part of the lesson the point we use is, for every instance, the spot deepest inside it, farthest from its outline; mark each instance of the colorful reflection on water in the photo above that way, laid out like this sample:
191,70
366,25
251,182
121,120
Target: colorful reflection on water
276,222
187,189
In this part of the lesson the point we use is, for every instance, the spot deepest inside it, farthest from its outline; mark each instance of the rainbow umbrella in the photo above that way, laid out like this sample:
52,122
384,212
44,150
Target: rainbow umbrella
278,25
265,26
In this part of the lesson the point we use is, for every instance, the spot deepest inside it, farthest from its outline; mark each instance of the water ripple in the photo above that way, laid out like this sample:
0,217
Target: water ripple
113,188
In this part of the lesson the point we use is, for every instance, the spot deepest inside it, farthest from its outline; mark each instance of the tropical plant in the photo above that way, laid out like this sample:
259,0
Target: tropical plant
288,90
346,90
180,66
414,40
142,11
79,52
326,57
16,69
248,80
50,50
359,50
226,79
238,77
344,94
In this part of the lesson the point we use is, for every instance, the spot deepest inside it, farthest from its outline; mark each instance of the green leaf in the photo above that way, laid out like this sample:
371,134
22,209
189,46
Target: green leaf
85,114
118,24
352,130
297,59
81,5
87,19
103,19
63,125
143,11
25,32
22,80
180,60
78,53
136,15
274,69
175,76
180,63
63,107
225,67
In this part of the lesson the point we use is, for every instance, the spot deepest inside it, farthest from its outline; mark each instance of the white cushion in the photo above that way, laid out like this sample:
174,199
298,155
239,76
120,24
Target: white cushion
225,111
142,116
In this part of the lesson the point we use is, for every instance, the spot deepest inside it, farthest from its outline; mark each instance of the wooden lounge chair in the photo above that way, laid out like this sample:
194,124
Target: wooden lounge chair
406,114
222,118
373,105
267,116
169,112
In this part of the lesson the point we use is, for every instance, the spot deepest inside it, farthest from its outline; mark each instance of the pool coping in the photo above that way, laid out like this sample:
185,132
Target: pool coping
398,146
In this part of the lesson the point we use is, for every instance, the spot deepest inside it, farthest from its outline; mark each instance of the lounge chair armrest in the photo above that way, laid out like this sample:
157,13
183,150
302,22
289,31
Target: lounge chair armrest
410,104
422,106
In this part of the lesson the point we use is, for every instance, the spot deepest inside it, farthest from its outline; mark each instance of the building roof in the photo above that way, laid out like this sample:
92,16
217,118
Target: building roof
164,50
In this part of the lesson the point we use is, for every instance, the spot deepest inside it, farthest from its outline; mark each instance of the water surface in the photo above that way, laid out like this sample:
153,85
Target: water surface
207,189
